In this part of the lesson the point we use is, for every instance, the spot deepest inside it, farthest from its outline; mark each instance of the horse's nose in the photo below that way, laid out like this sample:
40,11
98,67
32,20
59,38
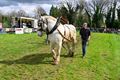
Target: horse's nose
39,33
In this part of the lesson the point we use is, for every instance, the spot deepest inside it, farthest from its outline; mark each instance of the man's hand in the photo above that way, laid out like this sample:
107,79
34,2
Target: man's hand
89,38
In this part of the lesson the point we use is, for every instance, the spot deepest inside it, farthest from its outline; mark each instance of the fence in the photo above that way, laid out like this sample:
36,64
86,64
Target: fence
103,30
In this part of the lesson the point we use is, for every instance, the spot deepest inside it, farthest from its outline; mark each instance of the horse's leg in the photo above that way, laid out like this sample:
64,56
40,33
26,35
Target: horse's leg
69,49
72,49
58,50
53,52
73,46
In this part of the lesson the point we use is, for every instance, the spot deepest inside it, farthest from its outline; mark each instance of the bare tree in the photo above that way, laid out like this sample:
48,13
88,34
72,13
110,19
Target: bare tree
12,14
69,10
80,14
95,10
21,13
39,11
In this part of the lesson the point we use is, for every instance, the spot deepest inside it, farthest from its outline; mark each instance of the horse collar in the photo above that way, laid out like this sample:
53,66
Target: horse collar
54,28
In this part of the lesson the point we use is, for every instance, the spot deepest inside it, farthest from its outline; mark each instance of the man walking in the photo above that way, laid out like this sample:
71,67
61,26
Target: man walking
85,37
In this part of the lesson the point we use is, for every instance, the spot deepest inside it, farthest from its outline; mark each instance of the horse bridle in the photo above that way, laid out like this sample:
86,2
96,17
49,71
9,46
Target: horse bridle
42,22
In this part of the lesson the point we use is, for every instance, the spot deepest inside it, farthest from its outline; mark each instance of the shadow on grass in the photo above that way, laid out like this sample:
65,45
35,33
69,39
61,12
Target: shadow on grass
33,59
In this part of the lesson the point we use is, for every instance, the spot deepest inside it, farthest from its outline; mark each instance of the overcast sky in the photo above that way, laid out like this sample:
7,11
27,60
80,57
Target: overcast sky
27,5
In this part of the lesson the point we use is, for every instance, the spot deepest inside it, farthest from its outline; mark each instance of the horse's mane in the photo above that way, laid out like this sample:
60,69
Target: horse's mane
50,17
62,20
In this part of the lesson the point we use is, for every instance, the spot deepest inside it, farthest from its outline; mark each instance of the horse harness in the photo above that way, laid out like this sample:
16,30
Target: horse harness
68,39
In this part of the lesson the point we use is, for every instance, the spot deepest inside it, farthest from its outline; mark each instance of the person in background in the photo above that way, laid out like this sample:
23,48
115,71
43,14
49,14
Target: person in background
85,37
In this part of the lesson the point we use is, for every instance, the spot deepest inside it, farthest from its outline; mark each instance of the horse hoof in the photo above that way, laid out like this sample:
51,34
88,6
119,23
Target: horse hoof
72,54
54,58
55,62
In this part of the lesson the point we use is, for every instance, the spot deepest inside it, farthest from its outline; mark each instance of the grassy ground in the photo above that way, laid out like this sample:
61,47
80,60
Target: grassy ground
27,57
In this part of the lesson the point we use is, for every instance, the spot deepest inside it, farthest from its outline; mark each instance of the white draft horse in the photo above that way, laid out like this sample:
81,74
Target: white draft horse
57,34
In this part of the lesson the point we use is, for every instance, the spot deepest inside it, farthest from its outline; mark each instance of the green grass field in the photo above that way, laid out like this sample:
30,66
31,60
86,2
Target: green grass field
27,57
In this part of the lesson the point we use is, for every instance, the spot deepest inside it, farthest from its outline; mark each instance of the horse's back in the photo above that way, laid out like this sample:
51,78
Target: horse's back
70,27
70,32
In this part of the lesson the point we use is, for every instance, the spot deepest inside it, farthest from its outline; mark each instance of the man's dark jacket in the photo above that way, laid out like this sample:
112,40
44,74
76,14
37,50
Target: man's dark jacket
85,33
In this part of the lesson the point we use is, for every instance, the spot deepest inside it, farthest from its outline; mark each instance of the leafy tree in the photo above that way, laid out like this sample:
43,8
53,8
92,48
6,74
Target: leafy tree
1,16
118,13
113,13
108,17
64,11
6,22
54,11
116,24
69,10
111,21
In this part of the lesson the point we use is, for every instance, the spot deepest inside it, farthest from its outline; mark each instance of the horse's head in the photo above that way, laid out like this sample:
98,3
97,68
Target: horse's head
42,25
47,24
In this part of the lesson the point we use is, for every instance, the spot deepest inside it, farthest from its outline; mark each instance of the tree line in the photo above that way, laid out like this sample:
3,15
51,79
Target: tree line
97,13
6,19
